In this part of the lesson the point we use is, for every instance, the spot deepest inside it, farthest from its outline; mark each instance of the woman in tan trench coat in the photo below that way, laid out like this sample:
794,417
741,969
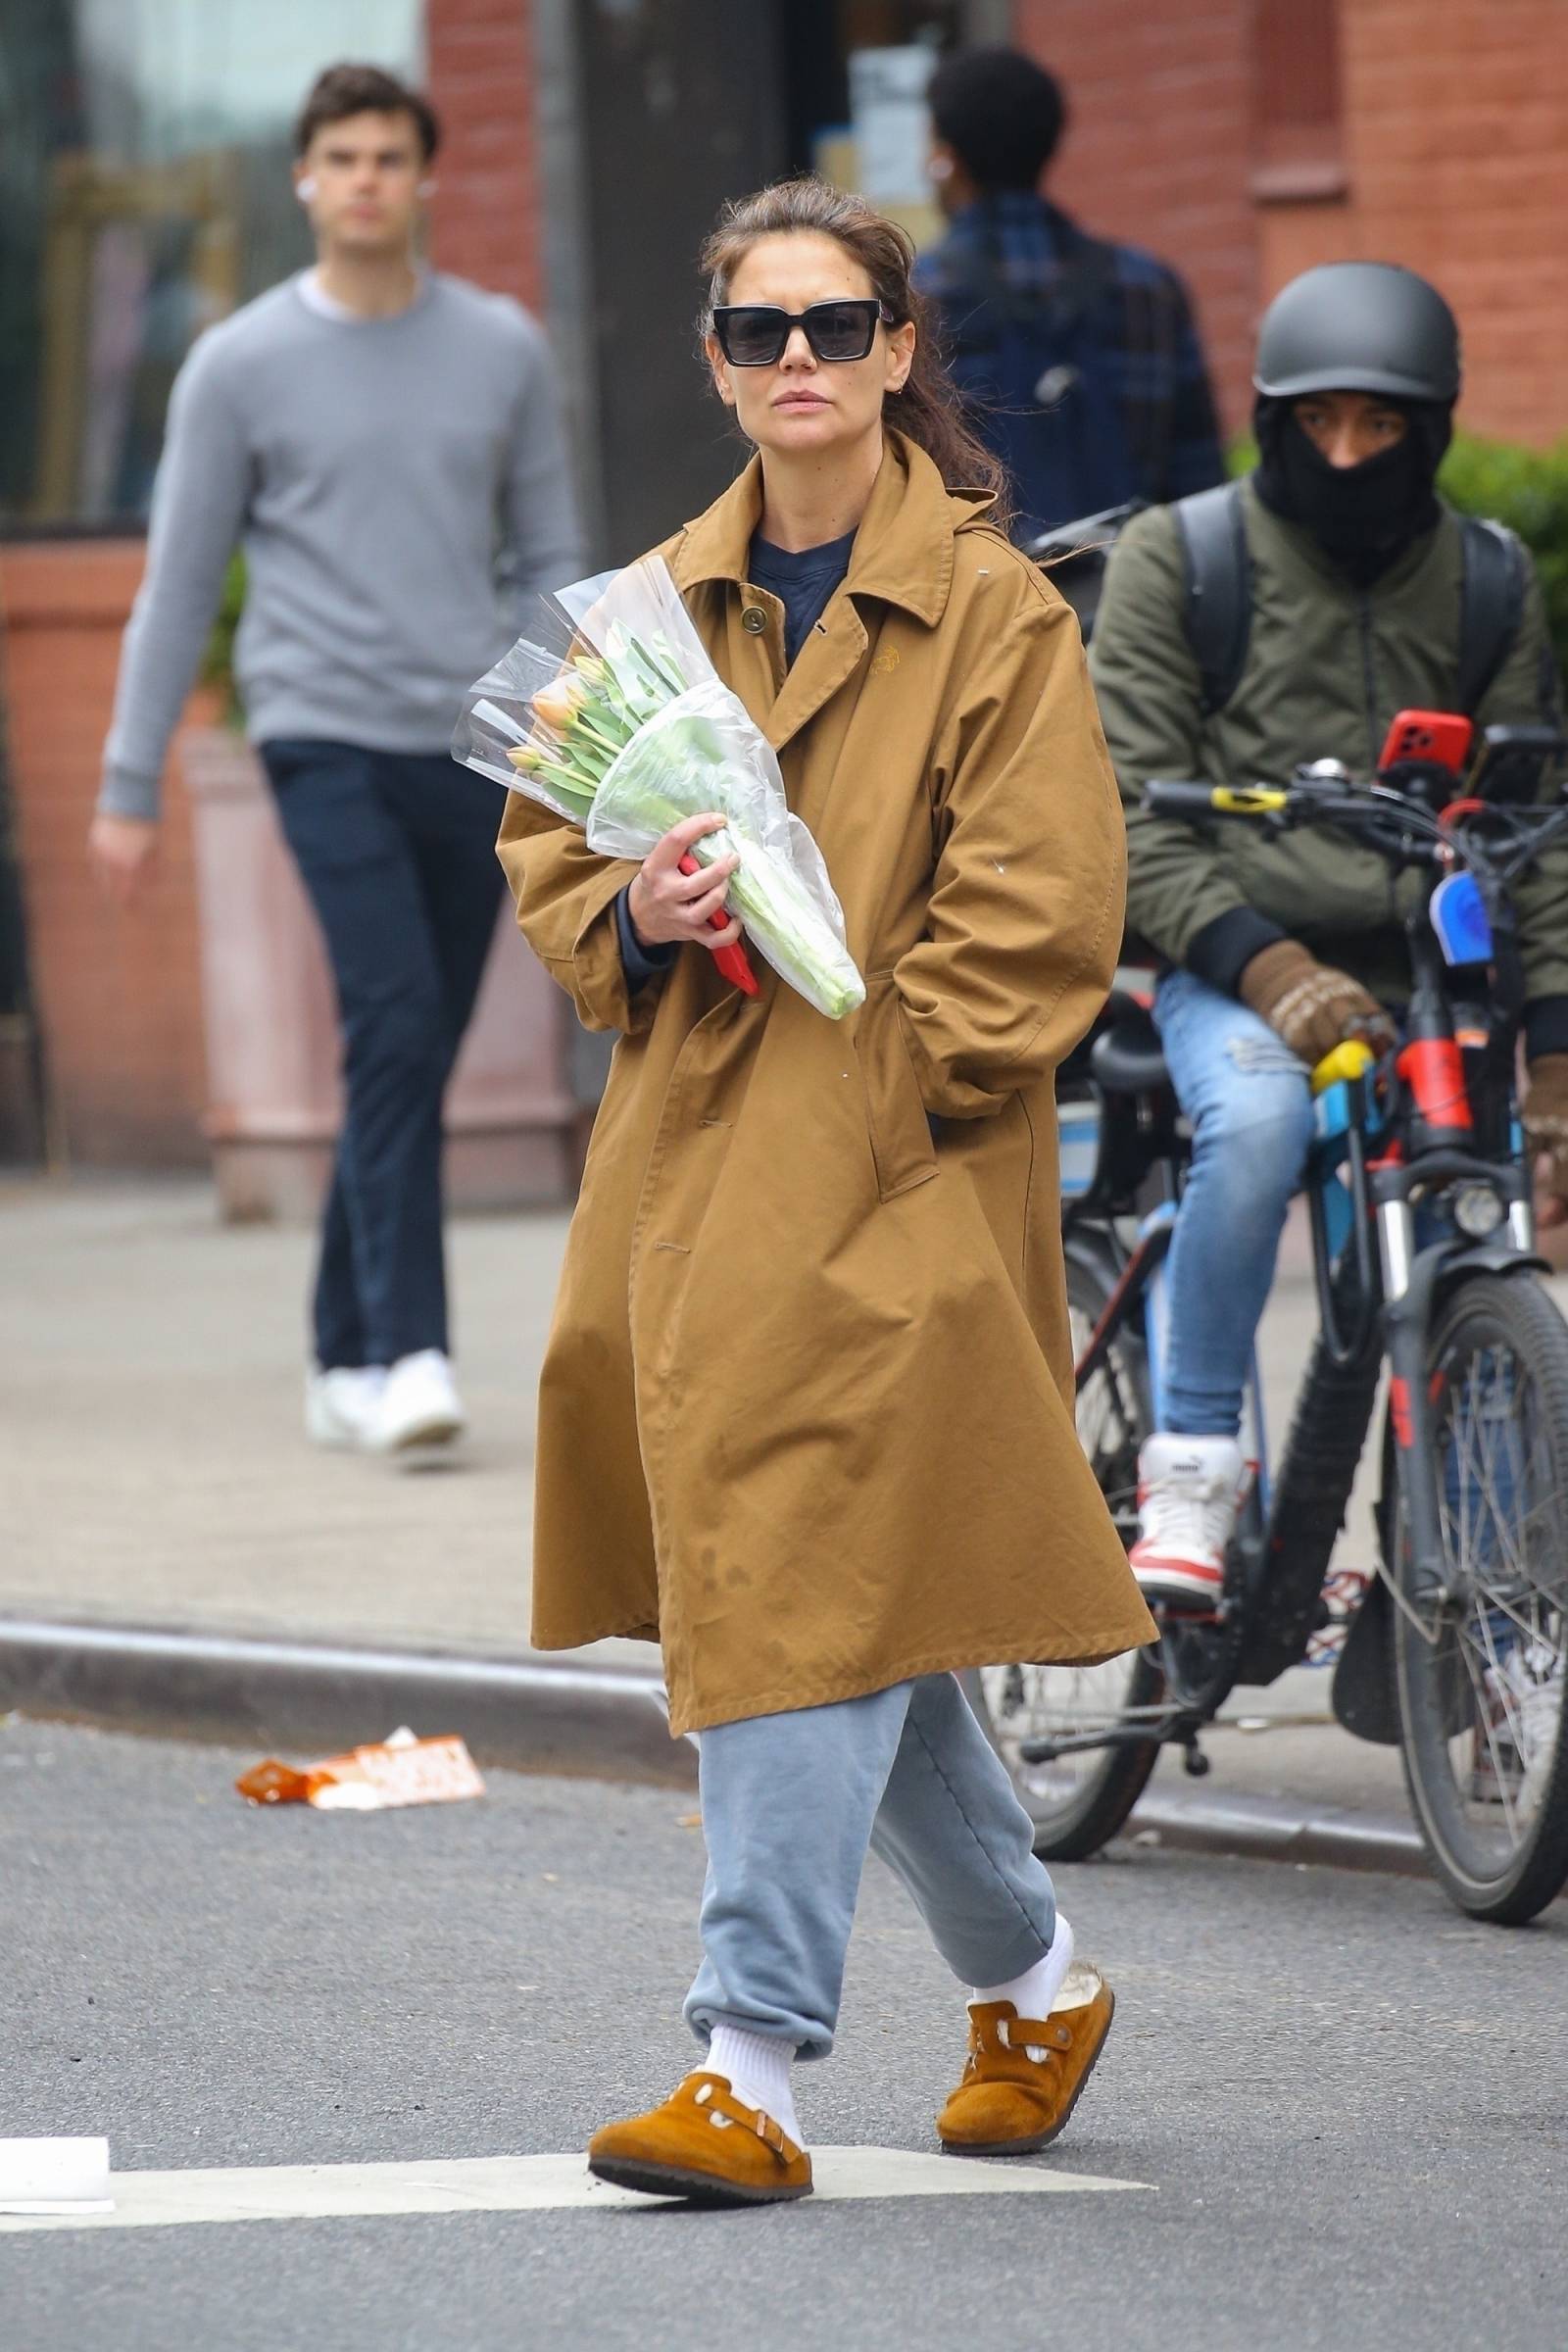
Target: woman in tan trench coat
807,1413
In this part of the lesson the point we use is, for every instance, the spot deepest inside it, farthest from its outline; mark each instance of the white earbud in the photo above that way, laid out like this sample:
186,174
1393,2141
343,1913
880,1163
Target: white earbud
427,187
305,190
940,167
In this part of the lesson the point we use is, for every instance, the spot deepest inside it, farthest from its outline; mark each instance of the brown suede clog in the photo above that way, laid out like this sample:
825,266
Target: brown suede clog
1024,2075
704,2145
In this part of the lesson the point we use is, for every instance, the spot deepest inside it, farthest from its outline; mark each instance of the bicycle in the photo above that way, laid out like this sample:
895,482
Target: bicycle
1419,1204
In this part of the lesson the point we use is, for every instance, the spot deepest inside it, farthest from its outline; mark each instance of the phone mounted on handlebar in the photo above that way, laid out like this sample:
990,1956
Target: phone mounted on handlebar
1433,738
1424,754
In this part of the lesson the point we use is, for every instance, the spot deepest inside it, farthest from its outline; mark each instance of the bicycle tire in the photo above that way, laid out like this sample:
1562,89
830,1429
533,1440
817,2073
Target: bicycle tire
1076,1824
1444,1693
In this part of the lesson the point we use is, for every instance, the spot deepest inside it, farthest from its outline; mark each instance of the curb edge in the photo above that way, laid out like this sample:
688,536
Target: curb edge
1265,1829
600,1722
604,1723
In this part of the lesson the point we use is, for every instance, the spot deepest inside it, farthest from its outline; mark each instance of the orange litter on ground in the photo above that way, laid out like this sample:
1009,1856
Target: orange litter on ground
401,1770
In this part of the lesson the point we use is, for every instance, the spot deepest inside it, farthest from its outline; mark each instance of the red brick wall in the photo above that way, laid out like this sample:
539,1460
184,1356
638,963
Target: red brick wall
1456,155
485,224
1158,147
119,993
1457,143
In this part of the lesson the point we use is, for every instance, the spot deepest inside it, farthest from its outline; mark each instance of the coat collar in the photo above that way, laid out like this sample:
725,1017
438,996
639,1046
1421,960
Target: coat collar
902,551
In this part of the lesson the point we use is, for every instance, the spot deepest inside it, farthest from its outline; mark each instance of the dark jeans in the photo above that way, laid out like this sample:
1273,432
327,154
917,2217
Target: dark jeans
397,850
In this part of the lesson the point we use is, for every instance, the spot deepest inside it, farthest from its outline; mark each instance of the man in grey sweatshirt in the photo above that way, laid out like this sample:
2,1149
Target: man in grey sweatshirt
385,446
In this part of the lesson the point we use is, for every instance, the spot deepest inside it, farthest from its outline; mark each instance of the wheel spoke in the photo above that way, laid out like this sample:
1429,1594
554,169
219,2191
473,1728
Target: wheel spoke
1482,1685
1480,1673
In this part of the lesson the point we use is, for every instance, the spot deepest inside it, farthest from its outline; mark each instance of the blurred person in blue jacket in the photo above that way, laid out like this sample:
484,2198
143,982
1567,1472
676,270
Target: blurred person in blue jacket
384,443
1078,359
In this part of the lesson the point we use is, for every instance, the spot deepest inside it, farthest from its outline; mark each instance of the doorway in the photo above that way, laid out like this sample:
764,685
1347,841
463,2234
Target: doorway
654,113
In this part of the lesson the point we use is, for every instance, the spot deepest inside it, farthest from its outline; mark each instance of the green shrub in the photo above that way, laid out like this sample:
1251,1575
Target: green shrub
218,662
1527,490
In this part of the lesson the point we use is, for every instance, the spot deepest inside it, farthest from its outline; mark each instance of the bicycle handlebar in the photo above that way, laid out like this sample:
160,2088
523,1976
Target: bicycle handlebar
1365,808
1170,798
1388,820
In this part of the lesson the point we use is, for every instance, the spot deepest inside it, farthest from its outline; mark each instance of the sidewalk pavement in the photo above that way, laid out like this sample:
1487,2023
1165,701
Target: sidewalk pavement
155,1477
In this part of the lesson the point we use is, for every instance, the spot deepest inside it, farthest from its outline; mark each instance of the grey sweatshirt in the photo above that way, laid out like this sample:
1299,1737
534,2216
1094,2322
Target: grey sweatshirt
399,487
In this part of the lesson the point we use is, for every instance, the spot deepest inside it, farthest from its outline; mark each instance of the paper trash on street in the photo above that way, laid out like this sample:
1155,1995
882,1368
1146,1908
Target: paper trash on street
400,1770
55,2175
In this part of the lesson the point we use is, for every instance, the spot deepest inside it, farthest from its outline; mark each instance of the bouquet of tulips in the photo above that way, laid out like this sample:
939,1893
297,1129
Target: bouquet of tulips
625,729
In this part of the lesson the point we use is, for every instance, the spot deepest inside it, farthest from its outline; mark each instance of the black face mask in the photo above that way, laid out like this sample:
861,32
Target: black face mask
1362,516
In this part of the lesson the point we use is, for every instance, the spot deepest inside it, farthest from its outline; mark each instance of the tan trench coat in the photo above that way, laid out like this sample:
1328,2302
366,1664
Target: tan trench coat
805,1415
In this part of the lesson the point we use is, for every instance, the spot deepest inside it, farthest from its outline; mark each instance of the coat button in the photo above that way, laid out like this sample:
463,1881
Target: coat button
754,620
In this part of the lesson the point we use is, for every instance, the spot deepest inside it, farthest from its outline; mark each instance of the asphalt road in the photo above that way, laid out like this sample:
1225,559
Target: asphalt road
1349,2103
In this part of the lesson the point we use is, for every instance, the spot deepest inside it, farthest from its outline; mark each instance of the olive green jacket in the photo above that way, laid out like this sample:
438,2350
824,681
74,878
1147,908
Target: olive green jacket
1328,666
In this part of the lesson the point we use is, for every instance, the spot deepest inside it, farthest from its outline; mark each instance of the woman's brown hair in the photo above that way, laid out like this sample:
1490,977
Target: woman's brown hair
927,408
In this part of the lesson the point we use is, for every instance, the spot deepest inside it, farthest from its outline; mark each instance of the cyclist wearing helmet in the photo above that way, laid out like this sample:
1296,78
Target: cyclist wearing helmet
1279,949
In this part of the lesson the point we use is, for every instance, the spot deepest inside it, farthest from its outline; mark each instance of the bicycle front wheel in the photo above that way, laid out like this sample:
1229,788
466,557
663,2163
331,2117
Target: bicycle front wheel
1080,1798
1481,1667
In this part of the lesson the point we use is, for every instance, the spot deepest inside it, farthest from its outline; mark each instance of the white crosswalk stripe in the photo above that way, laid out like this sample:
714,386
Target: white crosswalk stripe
514,2184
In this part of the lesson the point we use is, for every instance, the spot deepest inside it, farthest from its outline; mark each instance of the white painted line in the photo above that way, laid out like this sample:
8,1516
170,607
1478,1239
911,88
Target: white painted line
291,2192
903,2173
54,2176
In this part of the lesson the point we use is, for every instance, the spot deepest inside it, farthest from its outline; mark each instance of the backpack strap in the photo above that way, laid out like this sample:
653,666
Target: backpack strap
1491,604
1219,588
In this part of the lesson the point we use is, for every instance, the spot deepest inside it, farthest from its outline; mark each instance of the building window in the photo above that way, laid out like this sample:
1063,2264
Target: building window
144,192
1296,70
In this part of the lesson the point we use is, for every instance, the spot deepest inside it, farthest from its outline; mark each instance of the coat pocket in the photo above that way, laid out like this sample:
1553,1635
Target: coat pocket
895,1115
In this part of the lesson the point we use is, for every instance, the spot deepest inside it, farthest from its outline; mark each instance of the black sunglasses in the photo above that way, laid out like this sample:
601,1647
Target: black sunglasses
754,334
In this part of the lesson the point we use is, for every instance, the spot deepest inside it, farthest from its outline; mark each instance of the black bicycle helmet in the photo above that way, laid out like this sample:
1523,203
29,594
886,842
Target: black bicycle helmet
1359,326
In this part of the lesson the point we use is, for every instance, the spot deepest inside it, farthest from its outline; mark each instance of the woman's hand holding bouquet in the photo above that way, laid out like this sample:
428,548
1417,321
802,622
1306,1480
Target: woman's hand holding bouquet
633,736
673,898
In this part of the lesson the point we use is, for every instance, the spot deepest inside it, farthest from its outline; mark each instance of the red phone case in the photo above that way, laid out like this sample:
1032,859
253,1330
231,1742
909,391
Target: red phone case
733,960
1441,737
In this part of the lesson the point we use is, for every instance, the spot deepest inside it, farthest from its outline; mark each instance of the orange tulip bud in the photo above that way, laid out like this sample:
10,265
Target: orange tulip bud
559,702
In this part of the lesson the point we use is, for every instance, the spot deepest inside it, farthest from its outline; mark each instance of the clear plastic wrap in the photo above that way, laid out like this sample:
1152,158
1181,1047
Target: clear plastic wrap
623,725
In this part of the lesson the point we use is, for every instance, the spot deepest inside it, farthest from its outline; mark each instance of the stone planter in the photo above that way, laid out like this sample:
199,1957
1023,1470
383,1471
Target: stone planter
274,1098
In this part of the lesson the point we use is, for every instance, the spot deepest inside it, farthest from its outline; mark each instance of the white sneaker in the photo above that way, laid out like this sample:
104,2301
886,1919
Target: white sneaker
1514,1749
1188,1493
1542,1710
419,1405
340,1405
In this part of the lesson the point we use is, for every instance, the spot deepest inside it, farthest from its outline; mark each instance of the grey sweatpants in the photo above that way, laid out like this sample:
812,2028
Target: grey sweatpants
792,1803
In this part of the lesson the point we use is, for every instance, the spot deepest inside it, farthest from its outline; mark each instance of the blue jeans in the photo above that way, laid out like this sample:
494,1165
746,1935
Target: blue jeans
397,850
1249,1103
791,1805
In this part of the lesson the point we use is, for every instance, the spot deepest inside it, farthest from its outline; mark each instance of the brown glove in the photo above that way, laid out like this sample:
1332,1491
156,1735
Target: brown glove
1310,1004
1546,1118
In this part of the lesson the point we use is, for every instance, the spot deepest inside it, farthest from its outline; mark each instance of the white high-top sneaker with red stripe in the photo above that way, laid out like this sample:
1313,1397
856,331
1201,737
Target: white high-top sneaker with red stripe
1188,1493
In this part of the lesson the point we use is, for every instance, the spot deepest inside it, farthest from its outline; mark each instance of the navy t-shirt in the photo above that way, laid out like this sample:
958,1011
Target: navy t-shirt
804,583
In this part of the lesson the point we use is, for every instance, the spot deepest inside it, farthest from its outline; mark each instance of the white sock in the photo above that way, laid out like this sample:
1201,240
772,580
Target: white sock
757,2068
1034,1993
